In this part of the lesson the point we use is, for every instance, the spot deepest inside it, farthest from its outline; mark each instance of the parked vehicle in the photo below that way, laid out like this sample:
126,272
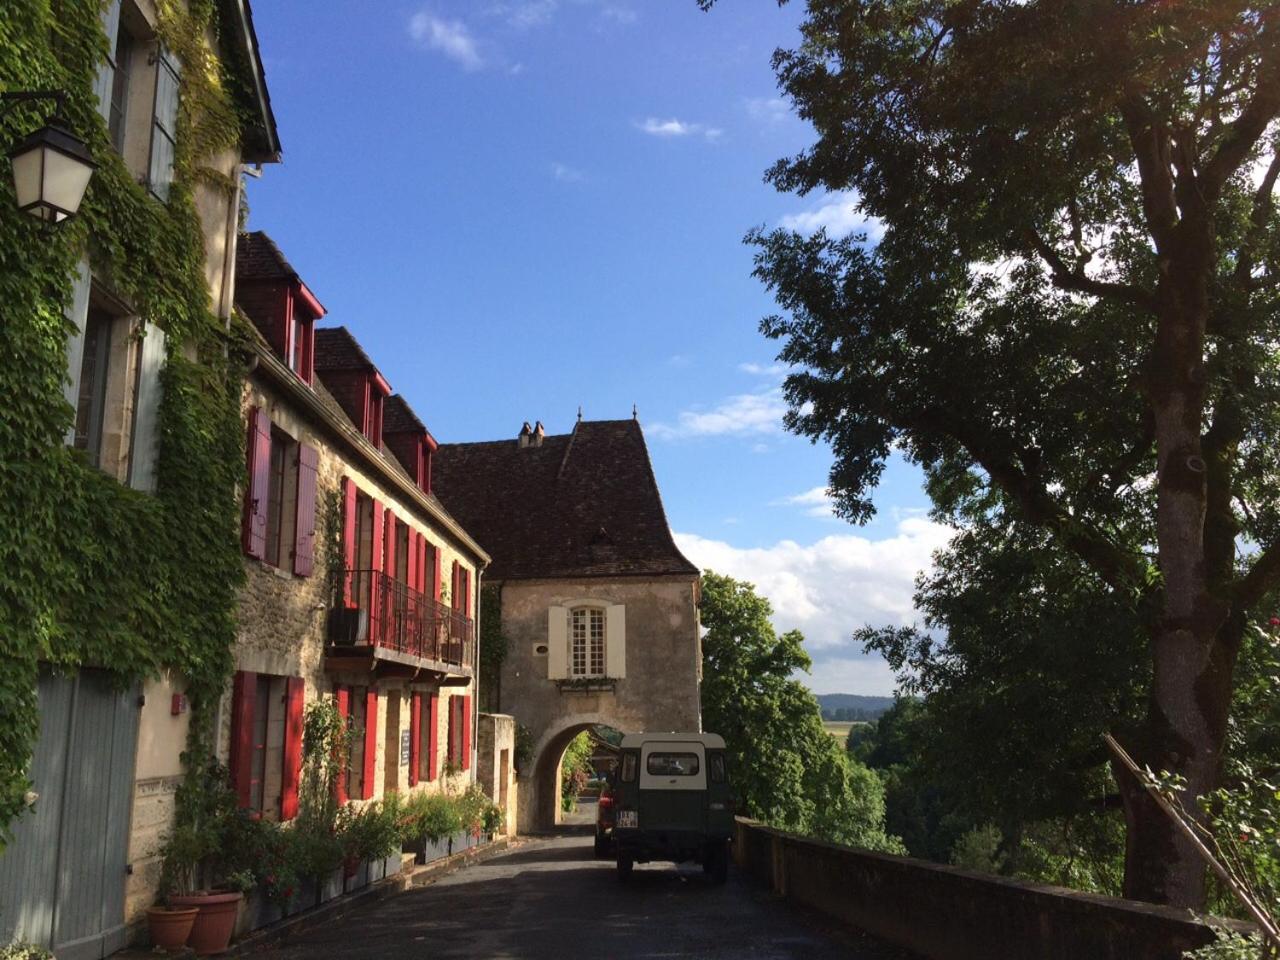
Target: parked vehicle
671,802
605,816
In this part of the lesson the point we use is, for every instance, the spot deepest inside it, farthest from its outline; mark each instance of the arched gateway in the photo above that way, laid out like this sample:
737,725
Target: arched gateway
598,606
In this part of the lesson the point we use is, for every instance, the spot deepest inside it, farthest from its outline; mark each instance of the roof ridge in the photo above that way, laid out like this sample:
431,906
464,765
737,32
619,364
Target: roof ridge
564,461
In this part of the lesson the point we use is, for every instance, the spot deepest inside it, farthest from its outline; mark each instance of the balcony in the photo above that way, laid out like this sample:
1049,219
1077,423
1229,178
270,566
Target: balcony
379,624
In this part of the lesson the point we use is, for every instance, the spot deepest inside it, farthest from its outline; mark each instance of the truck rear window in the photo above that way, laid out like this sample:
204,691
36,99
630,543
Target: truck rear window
672,764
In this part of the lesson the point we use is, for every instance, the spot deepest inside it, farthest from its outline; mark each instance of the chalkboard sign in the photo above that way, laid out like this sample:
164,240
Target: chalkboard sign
404,748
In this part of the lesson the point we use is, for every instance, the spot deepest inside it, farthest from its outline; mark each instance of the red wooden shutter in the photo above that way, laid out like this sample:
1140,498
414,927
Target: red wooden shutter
293,696
370,741
255,497
423,576
344,711
466,732
389,547
433,737
435,574
304,540
377,587
244,693
455,591
411,573
415,737
452,747
466,591
349,545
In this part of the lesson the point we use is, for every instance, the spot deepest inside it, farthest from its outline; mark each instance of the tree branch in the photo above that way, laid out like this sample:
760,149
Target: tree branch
1066,277
1262,578
1243,132
1263,204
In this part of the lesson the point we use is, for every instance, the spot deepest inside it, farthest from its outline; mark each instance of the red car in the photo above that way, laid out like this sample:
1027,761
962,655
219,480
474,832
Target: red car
604,819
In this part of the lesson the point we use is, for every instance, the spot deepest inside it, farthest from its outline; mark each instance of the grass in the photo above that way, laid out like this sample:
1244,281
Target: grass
841,728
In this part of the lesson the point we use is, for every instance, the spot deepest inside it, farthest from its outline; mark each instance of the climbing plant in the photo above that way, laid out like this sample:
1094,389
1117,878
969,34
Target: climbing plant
493,645
92,572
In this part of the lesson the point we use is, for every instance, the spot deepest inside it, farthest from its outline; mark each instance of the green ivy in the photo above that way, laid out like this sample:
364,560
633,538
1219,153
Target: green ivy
493,644
91,572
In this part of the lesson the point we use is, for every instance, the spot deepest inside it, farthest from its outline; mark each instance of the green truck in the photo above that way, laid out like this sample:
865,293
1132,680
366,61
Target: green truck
672,802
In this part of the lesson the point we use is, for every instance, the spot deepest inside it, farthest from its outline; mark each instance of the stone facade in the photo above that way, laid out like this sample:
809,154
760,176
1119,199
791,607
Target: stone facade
495,765
658,692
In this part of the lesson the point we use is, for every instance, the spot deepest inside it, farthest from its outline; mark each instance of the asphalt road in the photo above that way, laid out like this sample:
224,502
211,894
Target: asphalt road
551,899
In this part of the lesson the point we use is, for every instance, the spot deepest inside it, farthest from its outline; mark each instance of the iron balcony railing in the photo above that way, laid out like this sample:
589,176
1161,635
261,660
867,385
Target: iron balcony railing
373,609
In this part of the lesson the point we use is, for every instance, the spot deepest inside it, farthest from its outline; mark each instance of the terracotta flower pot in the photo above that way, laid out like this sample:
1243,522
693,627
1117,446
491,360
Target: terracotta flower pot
170,926
211,933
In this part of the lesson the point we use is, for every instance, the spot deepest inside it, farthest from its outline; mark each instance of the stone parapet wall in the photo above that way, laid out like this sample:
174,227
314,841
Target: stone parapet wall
946,913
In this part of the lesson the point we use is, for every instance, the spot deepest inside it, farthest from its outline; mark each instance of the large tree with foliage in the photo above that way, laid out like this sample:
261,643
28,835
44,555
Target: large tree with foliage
786,769
1072,311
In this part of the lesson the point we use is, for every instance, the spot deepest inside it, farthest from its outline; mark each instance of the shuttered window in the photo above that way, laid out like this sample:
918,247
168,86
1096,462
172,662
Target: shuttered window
416,752
465,734
105,80
266,743
292,774
370,753
145,441
256,493
164,126
304,545
433,738
350,541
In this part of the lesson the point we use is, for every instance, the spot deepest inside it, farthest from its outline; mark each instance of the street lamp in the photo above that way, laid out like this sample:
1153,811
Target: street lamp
51,166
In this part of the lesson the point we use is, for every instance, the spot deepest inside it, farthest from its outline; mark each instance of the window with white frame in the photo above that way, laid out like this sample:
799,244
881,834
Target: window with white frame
587,642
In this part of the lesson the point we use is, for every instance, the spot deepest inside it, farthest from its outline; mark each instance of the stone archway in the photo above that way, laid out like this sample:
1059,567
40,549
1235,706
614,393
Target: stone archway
540,790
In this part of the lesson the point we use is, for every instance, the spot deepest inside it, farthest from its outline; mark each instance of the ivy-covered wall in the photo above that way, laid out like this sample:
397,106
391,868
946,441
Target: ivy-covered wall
91,572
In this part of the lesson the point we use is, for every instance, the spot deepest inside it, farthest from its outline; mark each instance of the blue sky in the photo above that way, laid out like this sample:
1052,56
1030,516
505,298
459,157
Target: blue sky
520,207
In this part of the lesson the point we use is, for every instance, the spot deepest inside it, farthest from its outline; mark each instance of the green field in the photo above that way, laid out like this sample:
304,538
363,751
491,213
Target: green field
841,728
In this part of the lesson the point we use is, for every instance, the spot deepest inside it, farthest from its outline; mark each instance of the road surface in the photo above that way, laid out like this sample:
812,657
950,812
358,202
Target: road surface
550,899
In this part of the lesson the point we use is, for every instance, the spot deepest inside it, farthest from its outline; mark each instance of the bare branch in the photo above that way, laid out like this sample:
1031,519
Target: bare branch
1263,204
1066,277
1244,132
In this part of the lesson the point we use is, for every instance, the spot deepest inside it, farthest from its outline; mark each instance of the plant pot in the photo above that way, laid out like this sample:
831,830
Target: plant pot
358,878
331,887
170,926
211,932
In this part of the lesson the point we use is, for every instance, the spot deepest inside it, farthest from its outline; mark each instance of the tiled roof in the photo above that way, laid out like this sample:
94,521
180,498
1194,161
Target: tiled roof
258,258
581,504
398,417
336,349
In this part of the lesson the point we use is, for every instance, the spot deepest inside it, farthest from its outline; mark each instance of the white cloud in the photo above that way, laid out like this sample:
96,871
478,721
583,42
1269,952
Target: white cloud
565,173
837,213
531,13
619,14
767,109
672,128
816,502
774,371
830,588
741,415
449,37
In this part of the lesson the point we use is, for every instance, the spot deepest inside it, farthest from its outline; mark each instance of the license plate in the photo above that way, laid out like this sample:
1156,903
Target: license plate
627,818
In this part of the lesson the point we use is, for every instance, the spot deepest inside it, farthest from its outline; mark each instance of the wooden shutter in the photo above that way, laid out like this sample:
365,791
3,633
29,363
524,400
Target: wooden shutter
145,439
433,738
451,743
349,545
304,526
411,558
435,573
615,641
255,499
376,586
415,737
295,690
344,710
78,314
244,693
558,643
164,123
370,742
103,82
466,732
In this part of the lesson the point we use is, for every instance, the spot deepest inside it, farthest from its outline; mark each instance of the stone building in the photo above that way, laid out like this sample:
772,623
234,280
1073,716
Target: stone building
80,866
599,608
359,585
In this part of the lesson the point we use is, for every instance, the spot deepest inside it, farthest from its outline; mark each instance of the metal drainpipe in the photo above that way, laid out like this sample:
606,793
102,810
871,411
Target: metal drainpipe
475,713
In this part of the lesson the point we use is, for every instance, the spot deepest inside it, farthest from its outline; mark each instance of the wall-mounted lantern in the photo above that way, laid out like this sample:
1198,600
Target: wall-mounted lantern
51,166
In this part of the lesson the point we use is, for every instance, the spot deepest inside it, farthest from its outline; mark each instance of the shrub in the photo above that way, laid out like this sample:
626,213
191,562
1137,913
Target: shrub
431,816
24,951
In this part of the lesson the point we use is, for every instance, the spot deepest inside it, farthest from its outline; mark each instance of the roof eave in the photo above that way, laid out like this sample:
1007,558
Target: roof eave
267,149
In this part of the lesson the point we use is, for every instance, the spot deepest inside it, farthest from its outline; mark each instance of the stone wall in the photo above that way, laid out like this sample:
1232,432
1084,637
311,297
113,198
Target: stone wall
495,765
945,913
659,691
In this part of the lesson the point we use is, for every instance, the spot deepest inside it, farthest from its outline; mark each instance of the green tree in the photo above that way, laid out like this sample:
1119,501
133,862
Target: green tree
575,769
787,770
1071,313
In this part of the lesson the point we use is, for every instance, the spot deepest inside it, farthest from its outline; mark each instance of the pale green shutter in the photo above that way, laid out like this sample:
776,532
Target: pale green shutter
164,124
146,427
106,70
78,315
615,642
558,643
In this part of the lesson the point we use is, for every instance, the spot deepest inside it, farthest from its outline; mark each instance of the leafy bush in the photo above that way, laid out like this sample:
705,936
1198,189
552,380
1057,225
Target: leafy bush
25,951
431,816
1230,946
373,832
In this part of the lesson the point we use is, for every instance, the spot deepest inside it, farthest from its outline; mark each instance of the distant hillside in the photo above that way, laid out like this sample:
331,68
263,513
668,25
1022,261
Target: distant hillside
852,706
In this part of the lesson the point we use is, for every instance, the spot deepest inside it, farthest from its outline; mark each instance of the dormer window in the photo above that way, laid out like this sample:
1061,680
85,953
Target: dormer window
279,303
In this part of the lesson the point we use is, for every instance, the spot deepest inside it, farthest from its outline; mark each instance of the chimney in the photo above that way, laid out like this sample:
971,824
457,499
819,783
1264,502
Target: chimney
538,434
526,433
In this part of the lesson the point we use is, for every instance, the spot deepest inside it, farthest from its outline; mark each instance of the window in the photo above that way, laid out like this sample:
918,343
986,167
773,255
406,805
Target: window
91,404
356,725
120,64
629,767
715,762
672,764
266,743
587,639
164,124
282,485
